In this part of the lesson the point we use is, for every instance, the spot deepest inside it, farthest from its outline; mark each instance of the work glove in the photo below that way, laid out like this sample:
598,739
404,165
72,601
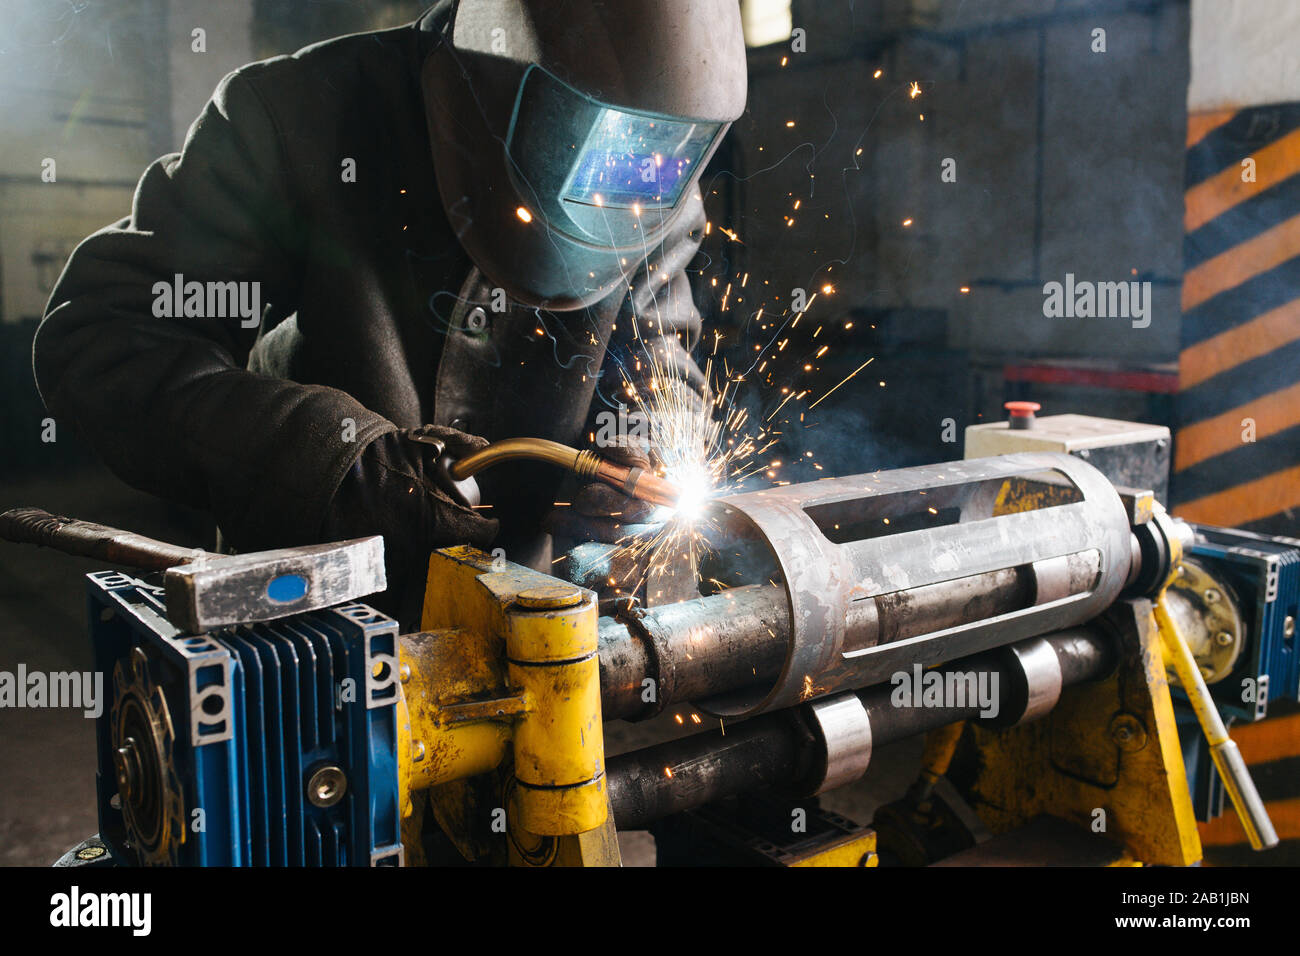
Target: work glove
680,417
396,488
602,524
604,514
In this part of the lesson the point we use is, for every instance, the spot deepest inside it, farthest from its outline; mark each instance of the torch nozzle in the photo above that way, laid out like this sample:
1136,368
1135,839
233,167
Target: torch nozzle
632,481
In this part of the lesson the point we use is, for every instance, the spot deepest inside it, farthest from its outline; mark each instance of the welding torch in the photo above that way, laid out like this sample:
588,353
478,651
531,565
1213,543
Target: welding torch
633,481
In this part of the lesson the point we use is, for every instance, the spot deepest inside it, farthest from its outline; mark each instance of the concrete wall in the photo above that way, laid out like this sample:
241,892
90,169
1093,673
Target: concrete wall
104,87
192,76
77,86
1067,161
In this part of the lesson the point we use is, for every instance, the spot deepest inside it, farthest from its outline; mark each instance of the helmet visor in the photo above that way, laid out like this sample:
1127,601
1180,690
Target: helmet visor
590,168
630,159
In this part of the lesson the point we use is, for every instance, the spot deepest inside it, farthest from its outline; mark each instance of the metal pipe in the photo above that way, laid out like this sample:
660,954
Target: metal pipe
899,615
710,647
928,564
778,749
691,650
648,785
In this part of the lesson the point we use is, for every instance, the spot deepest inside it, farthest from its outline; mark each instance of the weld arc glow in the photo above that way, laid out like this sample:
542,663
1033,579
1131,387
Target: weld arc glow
710,447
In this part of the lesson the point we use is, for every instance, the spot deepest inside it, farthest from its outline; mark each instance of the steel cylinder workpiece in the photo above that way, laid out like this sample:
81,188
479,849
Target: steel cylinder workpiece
921,565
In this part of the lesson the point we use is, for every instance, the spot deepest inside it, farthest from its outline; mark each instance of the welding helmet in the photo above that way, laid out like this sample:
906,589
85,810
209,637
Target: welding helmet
569,136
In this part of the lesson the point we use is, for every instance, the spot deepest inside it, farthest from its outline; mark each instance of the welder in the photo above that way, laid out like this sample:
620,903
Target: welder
462,230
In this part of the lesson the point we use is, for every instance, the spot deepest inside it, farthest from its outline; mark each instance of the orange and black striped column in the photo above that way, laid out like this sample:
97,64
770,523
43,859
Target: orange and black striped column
1237,445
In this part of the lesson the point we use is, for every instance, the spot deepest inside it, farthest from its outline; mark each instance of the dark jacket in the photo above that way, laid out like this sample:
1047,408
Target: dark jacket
364,287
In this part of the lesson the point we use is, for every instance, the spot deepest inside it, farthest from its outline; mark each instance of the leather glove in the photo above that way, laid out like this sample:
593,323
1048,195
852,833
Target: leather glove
601,518
604,514
396,489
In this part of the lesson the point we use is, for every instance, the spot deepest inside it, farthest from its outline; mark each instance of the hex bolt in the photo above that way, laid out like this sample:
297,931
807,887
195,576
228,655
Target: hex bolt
1128,733
417,751
405,673
1211,596
327,785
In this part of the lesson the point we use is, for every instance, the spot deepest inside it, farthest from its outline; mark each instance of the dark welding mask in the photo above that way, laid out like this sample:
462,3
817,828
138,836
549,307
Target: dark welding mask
568,137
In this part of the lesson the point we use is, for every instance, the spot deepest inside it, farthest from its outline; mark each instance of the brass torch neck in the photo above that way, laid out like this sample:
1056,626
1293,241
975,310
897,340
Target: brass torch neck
634,482
587,464
513,449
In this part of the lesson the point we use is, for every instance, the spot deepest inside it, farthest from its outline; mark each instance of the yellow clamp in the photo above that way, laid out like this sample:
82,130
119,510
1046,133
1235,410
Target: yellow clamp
507,665
559,747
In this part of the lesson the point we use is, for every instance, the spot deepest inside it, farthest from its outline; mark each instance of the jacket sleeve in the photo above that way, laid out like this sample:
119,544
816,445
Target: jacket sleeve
166,401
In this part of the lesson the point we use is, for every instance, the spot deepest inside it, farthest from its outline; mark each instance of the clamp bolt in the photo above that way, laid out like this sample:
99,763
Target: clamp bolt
327,786
1128,733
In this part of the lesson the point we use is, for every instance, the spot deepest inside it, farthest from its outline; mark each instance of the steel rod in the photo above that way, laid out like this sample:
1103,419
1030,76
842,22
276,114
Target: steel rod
777,749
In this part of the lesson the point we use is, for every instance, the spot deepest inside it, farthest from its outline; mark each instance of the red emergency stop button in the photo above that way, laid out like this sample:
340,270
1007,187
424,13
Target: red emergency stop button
1021,413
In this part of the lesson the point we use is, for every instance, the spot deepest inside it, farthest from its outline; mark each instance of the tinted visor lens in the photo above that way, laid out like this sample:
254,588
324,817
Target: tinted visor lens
630,159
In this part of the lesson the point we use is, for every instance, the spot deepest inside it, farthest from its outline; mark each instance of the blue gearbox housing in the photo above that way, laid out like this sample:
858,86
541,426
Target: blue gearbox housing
271,744
1263,572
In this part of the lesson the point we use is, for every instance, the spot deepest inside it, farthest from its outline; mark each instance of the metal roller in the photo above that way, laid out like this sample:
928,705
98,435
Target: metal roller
828,742
922,565
691,649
